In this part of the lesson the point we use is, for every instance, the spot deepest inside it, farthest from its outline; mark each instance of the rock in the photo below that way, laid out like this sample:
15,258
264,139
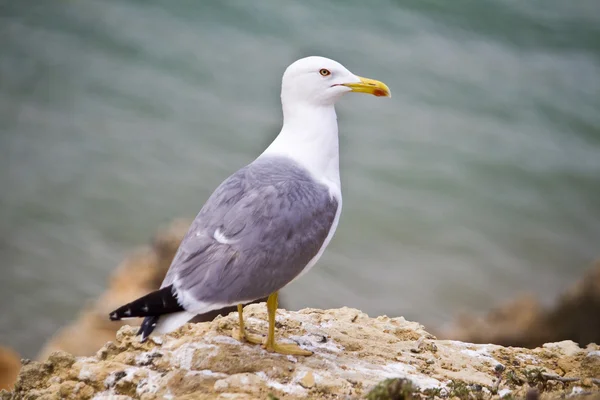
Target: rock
567,347
592,362
307,381
30,375
392,389
524,322
353,354
244,382
10,364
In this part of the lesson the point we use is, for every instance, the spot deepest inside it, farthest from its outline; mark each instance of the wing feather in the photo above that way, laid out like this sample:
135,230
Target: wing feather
275,218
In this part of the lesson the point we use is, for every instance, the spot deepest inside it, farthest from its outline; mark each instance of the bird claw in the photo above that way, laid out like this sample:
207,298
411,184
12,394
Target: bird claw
281,348
288,349
247,337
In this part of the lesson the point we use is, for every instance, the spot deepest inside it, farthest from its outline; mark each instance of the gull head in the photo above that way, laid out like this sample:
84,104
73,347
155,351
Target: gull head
319,81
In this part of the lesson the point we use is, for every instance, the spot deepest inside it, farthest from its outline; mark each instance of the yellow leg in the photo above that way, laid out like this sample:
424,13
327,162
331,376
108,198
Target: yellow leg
241,334
241,317
270,343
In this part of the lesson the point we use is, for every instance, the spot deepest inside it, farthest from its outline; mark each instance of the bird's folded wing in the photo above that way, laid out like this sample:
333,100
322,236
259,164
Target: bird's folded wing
255,234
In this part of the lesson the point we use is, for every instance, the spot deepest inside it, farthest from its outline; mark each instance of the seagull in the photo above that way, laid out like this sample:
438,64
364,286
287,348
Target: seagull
268,223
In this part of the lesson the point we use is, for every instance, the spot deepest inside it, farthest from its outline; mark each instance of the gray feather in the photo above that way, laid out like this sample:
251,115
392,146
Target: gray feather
275,217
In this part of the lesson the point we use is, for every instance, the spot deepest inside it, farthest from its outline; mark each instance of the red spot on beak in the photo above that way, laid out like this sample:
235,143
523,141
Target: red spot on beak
379,93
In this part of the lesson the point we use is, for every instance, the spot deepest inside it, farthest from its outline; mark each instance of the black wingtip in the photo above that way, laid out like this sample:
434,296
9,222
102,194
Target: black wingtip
159,302
147,327
150,306
123,312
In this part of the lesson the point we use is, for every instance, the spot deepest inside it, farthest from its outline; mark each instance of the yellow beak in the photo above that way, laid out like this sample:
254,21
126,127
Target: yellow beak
370,86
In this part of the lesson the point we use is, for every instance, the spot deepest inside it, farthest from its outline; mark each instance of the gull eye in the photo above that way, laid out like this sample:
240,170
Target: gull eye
324,72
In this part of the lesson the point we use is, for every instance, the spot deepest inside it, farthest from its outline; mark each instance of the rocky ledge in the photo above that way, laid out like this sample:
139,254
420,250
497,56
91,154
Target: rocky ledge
353,354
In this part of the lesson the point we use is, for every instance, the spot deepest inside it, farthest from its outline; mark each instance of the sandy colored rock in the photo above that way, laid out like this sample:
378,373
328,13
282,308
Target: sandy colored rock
308,380
10,364
352,354
525,323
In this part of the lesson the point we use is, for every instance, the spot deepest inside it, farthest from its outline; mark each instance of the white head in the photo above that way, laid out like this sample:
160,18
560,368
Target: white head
319,81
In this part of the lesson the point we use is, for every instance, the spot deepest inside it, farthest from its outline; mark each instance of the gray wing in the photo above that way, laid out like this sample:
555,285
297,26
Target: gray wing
273,218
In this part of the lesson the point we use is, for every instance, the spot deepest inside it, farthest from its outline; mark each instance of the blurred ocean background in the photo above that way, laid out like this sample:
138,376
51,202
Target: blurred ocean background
477,181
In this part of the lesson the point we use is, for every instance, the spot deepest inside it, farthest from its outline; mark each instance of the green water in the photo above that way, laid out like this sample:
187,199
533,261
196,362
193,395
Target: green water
478,180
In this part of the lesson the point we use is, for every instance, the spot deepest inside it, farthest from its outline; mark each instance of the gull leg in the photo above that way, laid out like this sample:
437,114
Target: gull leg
271,344
241,334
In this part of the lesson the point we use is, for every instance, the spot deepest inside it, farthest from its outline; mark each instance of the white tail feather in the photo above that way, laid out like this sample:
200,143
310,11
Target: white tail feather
168,323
